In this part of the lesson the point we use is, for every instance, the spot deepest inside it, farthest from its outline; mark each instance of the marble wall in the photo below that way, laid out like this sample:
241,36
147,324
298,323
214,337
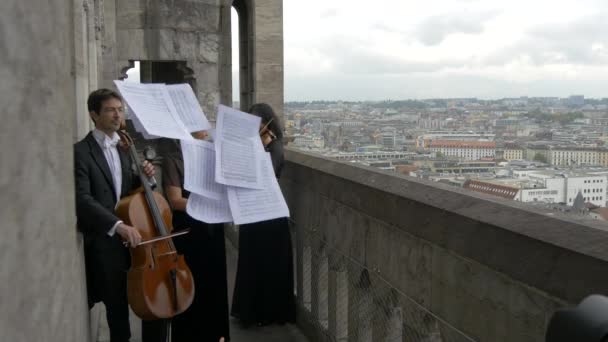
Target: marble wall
42,289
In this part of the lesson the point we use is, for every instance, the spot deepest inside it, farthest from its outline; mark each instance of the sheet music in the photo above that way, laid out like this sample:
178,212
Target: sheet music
199,169
136,124
188,108
211,132
236,153
253,205
140,129
154,109
209,210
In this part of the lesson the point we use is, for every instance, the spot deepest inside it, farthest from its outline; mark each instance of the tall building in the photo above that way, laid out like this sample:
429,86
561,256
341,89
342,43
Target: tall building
576,100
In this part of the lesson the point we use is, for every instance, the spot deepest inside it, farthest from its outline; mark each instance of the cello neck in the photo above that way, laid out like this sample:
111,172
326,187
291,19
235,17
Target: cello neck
145,182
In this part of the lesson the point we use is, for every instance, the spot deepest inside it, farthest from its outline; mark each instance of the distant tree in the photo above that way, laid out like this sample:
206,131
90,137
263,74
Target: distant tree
568,117
544,135
539,116
540,157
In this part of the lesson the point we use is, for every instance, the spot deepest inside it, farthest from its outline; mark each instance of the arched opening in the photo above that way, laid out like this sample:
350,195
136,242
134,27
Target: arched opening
169,72
134,73
242,55
235,70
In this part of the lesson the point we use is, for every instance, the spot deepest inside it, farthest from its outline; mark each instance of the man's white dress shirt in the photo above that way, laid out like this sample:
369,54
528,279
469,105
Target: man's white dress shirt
110,152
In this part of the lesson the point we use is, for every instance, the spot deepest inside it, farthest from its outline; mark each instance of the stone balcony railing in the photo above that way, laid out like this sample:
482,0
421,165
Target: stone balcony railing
384,257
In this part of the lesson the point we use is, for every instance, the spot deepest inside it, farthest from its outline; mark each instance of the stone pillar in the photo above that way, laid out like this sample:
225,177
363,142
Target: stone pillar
360,307
363,316
225,58
338,302
41,275
268,53
81,72
320,276
303,268
111,69
395,325
85,64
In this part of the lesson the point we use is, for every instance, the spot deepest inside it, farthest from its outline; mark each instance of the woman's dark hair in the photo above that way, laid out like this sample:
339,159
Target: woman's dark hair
98,96
264,111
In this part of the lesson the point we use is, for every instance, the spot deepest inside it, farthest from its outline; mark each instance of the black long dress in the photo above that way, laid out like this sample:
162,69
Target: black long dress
264,285
205,253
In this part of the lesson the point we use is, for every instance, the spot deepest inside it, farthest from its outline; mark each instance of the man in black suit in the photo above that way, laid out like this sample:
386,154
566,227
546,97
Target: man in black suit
103,175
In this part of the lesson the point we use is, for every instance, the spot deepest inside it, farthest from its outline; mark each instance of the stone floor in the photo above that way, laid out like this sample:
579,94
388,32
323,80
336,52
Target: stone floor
272,333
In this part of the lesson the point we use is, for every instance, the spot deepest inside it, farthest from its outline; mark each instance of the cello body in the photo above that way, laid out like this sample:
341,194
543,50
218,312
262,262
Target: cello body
159,283
152,292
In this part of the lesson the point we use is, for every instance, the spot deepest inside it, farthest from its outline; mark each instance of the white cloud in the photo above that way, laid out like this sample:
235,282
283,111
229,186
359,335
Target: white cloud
436,29
442,48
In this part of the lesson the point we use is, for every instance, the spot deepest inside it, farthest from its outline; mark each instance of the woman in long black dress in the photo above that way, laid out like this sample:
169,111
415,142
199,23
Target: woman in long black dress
264,290
205,253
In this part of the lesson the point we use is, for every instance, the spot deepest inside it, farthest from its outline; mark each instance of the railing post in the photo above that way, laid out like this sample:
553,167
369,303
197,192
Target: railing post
360,306
303,266
395,326
320,277
338,300
306,282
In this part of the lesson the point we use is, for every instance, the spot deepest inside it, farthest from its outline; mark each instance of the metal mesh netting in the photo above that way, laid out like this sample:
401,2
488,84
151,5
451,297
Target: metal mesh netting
347,301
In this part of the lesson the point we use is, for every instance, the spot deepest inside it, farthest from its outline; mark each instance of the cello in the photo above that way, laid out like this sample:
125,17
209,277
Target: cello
159,283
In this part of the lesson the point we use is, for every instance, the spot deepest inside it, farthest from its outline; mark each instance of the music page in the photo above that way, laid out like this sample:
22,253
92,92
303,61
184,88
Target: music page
254,205
199,169
236,150
209,210
187,107
154,109
140,129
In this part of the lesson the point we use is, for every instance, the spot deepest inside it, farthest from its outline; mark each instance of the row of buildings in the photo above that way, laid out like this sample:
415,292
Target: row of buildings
557,155
547,186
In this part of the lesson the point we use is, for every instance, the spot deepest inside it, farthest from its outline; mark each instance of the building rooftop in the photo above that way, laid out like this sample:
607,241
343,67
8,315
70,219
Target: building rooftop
463,144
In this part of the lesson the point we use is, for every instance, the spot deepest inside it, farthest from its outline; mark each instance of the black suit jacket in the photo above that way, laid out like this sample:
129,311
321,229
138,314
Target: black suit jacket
95,203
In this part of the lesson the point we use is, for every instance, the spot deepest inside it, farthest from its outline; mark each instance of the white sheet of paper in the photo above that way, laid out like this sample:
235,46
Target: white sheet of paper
153,107
209,210
211,133
188,108
136,124
253,205
236,155
199,169
140,128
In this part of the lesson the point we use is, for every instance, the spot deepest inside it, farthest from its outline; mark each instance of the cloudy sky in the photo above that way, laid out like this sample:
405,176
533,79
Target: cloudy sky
400,49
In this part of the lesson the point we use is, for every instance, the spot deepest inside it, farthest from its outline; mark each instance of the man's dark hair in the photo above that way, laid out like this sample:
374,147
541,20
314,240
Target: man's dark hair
99,96
264,111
